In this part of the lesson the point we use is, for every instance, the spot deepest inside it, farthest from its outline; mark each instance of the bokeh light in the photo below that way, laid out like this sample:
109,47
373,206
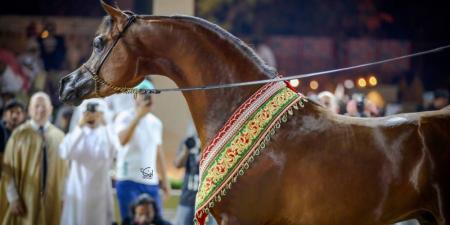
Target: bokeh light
314,84
362,82
44,34
373,80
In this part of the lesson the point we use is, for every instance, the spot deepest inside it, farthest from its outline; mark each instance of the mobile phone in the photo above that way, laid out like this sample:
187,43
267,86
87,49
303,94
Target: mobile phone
148,99
91,107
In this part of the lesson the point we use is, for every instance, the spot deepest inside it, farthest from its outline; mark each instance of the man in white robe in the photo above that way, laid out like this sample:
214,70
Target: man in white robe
90,147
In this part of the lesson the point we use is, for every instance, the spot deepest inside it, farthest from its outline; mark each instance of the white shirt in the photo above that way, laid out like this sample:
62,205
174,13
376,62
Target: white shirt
136,161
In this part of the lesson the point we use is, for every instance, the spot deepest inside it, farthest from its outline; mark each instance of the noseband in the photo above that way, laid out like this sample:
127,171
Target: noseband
94,72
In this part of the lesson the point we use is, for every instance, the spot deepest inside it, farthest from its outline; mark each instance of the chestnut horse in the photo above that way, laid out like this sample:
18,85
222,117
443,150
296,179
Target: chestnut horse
319,169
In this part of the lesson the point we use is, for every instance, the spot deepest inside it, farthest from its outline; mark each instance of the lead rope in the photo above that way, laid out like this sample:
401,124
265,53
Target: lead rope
300,76
129,90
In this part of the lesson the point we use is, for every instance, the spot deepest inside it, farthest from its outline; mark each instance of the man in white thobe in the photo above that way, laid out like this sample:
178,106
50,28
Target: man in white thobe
90,147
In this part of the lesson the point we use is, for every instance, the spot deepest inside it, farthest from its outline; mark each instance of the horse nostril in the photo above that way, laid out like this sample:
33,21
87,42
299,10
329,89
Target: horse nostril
64,88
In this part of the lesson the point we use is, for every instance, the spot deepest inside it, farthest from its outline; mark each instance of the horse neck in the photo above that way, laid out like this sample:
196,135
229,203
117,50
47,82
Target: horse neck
195,56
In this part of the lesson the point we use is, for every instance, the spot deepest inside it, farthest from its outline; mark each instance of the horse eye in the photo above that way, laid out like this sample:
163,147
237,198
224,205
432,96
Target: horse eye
98,43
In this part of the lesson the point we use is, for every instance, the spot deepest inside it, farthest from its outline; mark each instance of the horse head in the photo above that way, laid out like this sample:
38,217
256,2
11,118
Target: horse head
188,50
112,63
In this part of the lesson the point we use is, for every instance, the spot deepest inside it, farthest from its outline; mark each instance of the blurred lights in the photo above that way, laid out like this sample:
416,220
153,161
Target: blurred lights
349,84
314,84
362,82
294,83
44,34
373,81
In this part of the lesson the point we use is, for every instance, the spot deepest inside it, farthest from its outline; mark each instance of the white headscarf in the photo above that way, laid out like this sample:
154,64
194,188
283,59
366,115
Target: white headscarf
102,107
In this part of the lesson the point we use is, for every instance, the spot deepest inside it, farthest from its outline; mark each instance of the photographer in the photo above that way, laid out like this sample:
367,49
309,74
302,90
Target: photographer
91,149
188,156
140,161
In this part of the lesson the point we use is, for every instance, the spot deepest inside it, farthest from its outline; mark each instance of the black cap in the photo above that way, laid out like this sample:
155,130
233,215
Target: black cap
13,104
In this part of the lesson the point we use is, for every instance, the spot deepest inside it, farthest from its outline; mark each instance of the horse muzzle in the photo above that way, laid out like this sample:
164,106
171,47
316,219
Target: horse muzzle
75,87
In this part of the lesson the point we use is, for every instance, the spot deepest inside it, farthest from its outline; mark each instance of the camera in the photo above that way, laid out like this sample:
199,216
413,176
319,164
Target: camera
91,107
190,142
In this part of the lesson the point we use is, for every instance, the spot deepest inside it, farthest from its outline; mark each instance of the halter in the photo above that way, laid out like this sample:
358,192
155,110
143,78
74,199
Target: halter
94,72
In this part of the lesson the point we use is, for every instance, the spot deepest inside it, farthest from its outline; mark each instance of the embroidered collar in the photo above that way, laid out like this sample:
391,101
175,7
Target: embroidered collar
240,140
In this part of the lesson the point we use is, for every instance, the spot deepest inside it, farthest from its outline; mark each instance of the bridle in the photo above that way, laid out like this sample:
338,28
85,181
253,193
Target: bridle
129,90
98,80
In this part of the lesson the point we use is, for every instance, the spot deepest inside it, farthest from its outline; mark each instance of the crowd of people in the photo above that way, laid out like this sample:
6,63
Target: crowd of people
49,177
71,151
362,105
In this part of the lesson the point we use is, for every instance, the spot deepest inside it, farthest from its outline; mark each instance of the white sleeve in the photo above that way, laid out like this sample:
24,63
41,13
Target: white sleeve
122,121
113,140
71,144
11,191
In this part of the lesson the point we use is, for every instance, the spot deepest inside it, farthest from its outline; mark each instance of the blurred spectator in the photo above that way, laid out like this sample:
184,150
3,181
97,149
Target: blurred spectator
52,47
140,161
371,109
5,96
352,109
144,211
31,61
328,100
13,115
440,100
188,156
90,149
34,174
32,30
12,76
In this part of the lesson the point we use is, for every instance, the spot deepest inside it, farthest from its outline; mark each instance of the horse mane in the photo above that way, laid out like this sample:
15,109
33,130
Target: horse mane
271,72
233,40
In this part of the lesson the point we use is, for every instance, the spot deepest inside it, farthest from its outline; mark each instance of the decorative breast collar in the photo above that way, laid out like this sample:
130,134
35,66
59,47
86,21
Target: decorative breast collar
240,140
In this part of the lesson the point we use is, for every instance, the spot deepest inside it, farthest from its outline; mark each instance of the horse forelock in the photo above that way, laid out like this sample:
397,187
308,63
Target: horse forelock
105,25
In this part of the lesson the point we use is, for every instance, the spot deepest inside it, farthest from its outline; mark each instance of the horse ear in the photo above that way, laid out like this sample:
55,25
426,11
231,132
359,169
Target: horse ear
116,14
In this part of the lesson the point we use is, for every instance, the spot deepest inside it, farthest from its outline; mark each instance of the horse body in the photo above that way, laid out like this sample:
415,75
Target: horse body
368,171
319,168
